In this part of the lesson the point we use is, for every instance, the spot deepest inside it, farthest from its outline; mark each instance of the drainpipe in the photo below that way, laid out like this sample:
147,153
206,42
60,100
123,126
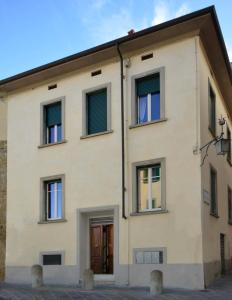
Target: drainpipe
122,133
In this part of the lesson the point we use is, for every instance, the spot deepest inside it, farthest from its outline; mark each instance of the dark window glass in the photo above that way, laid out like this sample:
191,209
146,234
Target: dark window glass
52,259
213,190
96,107
229,205
212,111
229,139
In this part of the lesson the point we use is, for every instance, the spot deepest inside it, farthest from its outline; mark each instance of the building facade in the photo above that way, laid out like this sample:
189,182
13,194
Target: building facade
104,162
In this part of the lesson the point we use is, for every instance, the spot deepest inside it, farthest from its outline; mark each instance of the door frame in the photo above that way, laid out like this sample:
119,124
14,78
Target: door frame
83,236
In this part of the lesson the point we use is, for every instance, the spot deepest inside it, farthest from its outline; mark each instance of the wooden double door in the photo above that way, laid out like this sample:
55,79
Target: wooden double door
101,248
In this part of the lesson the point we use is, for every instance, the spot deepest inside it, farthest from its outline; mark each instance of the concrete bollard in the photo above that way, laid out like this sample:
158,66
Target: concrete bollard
156,284
88,281
36,276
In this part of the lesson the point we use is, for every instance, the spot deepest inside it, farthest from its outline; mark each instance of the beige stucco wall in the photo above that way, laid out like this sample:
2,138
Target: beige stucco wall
212,227
92,167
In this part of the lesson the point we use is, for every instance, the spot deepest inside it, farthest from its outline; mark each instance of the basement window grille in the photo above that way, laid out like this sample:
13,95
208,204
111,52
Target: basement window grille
52,259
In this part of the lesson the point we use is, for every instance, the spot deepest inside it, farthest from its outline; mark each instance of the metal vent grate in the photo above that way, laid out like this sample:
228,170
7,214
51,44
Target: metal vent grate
102,221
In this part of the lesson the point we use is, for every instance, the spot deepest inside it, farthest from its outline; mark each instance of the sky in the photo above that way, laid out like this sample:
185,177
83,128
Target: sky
36,32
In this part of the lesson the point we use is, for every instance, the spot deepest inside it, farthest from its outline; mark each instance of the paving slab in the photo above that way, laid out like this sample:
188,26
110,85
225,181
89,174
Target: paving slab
220,290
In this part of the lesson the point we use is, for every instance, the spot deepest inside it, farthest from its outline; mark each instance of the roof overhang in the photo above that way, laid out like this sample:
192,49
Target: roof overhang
203,23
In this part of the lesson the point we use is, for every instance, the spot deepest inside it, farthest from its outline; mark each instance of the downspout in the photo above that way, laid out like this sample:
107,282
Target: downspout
122,133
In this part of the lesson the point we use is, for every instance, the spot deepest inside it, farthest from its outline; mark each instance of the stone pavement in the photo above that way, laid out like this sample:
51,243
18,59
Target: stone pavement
220,290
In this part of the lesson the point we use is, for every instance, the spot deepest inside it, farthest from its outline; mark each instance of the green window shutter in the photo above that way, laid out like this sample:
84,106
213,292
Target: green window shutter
97,112
53,114
149,84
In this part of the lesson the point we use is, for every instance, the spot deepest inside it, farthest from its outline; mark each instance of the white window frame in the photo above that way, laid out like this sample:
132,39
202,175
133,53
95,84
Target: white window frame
56,190
149,168
44,181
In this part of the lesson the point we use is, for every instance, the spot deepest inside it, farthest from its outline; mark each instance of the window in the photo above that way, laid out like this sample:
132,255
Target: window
149,188
229,139
51,259
212,111
229,205
53,123
52,200
213,192
148,98
96,111
52,129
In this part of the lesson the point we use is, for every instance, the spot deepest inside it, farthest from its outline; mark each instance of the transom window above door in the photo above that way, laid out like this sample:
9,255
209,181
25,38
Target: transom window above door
148,98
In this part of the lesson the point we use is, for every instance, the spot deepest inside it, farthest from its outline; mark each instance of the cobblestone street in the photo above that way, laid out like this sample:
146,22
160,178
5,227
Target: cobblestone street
221,290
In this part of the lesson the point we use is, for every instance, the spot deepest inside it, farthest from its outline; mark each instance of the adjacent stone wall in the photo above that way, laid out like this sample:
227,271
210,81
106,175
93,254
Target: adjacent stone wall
3,187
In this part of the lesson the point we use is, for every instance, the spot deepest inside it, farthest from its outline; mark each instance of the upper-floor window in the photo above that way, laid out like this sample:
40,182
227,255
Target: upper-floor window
52,199
148,98
96,108
213,192
229,139
53,123
212,111
52,128
149,188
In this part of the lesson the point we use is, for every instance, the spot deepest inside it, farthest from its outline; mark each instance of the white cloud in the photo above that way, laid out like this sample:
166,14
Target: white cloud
182,10
164,12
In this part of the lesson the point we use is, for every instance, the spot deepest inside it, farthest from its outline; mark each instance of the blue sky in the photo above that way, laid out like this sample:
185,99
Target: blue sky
36,32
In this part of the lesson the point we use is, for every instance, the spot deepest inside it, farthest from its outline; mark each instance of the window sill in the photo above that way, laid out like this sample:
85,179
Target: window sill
53,144
214,215
154,212
147,123
95,134
52,221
